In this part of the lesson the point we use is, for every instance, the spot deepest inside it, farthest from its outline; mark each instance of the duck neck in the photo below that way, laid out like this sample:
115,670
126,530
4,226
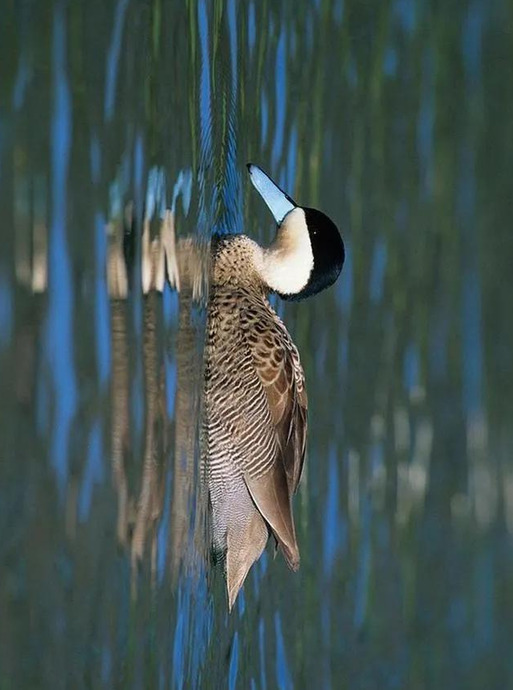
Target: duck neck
286,265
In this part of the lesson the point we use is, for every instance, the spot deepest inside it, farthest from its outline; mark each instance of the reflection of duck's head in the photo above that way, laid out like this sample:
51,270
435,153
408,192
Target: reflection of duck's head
308,252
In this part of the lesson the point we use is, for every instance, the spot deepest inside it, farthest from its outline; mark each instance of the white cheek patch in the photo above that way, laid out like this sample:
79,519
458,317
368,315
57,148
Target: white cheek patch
287,265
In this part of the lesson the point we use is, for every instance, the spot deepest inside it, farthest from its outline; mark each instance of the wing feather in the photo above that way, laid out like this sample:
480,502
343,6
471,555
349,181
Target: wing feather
279,369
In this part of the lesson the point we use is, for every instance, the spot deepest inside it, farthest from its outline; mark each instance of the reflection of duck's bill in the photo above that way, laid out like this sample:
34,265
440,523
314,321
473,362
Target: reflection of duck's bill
277,200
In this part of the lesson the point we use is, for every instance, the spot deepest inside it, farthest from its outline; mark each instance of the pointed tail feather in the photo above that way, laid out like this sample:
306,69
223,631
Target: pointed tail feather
271,496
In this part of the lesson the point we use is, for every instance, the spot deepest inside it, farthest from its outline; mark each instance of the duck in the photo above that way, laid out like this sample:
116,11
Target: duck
255,401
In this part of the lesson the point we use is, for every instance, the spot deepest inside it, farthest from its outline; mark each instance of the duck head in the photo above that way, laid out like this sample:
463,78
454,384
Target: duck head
307,253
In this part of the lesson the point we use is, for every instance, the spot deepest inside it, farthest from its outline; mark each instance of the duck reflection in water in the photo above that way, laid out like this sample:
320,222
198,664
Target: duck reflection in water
255,403
141,489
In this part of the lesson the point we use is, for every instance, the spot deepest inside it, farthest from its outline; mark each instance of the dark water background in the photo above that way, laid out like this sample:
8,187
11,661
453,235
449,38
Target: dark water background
395,118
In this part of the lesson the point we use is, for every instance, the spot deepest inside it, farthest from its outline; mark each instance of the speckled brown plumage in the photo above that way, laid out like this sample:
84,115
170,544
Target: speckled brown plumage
254,416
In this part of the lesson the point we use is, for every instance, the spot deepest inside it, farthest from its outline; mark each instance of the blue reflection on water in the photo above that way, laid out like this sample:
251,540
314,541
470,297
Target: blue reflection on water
156,193
42,405
171,379
438,343
102,320
119,186
205,214
471,43
309,38
95,158
335,530
106,668
58,331
251,27
139,161
338,11
364,563
232,219
183,188
261,654
326,630
93,471
193,630
22,82
232,32
411,367
377,275
241,603
283,677
264,118
344,285
170,305
257,572
406,13
281,89
6,310
178,645
234,663
163,531
390,61
205,107
137,388
426,122
472,346
113,59
471,302
291,161
484,581
352,72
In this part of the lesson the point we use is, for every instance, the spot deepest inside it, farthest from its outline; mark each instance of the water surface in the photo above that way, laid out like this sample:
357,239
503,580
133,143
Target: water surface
395,119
